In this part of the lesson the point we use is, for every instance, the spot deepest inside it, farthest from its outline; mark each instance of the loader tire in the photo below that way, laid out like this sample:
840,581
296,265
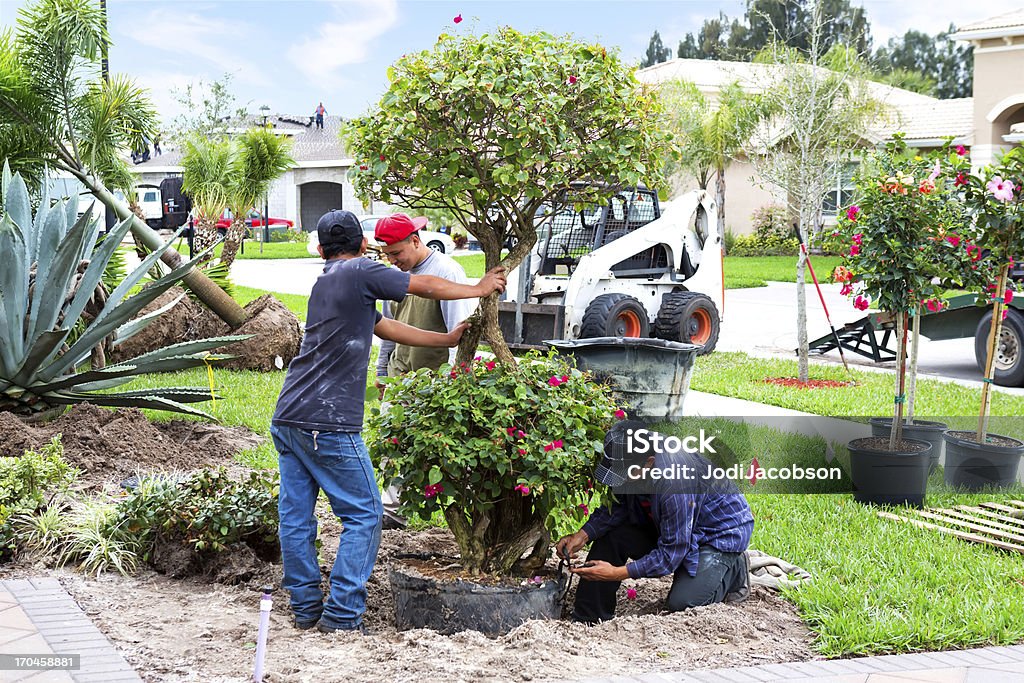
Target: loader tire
1009,365
688,317
615,315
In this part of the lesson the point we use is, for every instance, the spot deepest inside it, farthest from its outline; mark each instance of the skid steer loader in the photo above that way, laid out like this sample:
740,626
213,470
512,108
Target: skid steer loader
630,268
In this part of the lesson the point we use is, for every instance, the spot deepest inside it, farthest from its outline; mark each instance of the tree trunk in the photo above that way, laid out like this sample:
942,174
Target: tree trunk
896,433
206,236
720,201
803,364
215,298
236,233
993,346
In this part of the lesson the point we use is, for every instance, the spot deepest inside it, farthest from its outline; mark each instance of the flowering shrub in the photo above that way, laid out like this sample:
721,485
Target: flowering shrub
501,449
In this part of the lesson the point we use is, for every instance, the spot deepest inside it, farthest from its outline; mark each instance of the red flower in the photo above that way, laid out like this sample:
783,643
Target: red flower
431,490
620,414
585,509
557,443
572,80
933,305
926,187
974,251
852,212
953,239
961,179
631,594
520,434
846,290
855,250
453,374
554,381
523,451
394,440
1008,296
458,19
565,378
510,430
961,150
860,303
490,365
858,238
523,489
363,167
382,157
548,447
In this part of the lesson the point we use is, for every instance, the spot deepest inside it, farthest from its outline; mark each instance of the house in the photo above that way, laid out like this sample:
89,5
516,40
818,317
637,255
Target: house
991,120
316,183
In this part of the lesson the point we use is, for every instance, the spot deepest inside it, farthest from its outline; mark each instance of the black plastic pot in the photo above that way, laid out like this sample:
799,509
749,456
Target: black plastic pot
453,606
921,430
889,478
651,375
973,466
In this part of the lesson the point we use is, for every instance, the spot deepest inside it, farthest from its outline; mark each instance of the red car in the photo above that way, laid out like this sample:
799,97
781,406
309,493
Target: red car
254,220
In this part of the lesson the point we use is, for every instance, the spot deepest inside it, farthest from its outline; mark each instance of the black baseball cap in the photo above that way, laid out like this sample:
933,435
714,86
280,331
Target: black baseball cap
338,227
618,457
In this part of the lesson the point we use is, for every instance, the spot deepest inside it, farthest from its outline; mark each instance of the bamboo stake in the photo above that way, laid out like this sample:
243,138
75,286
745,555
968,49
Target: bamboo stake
993,345
912,391
896,434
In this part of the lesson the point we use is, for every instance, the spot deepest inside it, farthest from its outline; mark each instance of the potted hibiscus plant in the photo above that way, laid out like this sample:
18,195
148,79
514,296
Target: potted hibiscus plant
904,246
994,201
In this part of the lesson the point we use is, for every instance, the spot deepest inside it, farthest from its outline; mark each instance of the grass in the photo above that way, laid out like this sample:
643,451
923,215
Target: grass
271,250
296,303
740,271
756,271
741,376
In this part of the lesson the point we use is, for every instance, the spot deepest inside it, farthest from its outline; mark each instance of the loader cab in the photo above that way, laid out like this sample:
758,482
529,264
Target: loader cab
573,232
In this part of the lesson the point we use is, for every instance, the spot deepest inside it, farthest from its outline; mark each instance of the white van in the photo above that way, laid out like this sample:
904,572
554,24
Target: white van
151,205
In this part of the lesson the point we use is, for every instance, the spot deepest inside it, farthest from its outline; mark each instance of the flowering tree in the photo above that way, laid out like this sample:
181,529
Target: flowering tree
503,450
493,127
994,199
906,243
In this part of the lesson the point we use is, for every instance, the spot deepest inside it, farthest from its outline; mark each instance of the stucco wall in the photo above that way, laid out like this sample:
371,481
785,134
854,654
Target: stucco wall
743,197
998,75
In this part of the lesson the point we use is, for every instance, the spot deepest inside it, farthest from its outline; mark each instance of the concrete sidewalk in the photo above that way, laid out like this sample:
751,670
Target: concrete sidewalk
980,665
38,619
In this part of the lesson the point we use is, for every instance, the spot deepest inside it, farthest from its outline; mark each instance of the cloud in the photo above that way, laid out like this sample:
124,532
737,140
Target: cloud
190,36
889,19
161,86
341,43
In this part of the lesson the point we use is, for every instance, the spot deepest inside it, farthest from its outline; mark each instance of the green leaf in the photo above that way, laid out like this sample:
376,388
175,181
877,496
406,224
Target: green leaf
434,476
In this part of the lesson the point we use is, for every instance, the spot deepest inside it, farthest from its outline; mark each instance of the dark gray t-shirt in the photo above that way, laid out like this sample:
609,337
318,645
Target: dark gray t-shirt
326,383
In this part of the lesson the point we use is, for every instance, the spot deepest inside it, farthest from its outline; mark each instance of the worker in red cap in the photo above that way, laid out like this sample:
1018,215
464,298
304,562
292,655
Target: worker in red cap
403,247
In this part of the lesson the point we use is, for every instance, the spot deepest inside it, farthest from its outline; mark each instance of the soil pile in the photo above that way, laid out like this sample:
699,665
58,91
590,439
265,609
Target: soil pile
276,331
109,446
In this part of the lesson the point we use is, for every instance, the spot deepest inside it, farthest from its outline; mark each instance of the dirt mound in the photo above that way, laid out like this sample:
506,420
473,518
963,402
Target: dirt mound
276,330
112,445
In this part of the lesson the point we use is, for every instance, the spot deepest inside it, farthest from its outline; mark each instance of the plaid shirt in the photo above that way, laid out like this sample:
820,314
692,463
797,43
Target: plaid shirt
685,521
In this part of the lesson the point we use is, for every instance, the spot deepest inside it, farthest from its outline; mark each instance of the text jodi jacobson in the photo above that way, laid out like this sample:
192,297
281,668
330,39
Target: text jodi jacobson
643,442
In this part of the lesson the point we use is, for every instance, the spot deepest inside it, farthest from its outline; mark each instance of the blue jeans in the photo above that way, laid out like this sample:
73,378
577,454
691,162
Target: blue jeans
337,463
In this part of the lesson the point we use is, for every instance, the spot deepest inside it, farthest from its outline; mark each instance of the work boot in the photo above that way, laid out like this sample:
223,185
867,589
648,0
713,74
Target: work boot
361,629
740,590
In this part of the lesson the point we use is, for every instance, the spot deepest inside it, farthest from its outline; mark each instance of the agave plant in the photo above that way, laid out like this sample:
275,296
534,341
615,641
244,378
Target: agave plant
52,266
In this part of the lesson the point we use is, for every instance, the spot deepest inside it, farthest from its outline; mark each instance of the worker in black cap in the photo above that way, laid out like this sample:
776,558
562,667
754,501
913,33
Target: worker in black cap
319,416
695,529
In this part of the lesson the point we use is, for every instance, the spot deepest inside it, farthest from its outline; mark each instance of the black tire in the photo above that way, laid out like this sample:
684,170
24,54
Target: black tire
688,317
615,315
1009,371
436,246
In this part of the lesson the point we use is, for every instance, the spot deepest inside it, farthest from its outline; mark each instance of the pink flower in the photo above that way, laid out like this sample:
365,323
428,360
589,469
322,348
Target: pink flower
858,239
585,509
572,80
394,440
510,430
846,290
523,451
860,303
548,447
855,250
620,414
631,594
458,19
974,251
961,179
1008,296
933,305
1004,315
961,150
523,489
520,434
1000,189
853,212
936,170
565,378
554,381
491,364
431,490
953,239
557,443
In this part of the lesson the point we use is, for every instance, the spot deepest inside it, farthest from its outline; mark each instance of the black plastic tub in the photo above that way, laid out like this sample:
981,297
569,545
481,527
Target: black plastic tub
921,430
887,477
974,466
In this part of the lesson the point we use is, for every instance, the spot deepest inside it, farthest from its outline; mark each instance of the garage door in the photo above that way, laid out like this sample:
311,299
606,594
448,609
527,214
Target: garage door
316,199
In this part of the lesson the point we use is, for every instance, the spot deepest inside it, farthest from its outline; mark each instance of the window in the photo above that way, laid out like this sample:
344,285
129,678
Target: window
842,194
151,196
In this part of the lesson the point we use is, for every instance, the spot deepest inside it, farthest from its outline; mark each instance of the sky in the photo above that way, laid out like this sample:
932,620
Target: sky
292,54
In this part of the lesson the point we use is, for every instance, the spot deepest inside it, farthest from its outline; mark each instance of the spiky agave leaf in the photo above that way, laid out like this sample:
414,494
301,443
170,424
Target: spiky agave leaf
52,266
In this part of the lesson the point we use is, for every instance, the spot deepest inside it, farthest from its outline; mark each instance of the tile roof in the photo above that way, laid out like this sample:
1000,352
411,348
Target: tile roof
309,144
931,121
1012,19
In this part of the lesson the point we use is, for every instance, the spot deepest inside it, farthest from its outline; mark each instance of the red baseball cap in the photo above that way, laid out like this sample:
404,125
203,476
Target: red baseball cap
397,227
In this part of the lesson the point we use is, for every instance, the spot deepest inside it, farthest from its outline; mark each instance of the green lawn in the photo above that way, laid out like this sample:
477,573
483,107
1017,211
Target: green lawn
740,271
741,376
271,250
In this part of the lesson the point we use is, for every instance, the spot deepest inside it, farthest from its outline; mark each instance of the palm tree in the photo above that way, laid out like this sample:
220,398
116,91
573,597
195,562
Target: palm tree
707,137
56,112
260,158
206,169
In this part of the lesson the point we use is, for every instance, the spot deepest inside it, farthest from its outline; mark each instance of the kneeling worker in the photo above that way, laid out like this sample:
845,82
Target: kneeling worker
696,533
